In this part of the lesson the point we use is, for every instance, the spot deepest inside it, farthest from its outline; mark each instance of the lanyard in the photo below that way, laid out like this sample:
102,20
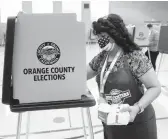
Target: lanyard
103,79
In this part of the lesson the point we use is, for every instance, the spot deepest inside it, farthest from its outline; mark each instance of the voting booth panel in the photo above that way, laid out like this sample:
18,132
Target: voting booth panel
49,59
163,40
131,30
48,62
45,65
141,35
92,36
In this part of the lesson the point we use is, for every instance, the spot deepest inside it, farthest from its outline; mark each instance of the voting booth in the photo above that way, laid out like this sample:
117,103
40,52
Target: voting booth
45,63
163,43
163,40
131,30
141,35
91,35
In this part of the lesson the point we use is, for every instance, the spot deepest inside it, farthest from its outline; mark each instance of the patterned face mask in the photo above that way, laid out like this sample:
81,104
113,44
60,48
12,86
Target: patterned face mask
103,41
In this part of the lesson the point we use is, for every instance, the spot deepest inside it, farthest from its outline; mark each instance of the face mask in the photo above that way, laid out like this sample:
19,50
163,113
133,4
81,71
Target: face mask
103,41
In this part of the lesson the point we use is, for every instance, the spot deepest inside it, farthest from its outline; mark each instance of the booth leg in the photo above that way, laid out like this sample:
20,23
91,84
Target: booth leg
69,116
159,64
19,126
90,123
84,126
28,125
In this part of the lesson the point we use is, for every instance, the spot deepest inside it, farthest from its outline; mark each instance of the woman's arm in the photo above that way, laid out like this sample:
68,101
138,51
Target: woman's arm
90,72
145,73
150,80
93,65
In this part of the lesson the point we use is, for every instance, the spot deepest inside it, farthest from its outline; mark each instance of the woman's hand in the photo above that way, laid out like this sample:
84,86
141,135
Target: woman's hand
133,110
101,100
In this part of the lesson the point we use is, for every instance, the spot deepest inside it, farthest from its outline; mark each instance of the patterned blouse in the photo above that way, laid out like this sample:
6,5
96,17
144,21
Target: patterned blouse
138,63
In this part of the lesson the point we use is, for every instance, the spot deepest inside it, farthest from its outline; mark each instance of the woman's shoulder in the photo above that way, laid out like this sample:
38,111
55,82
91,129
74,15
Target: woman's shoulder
102,53
136,57
139,62
136,54
100,56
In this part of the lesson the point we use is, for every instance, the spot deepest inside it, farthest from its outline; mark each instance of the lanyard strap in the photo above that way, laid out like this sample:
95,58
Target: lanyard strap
103,79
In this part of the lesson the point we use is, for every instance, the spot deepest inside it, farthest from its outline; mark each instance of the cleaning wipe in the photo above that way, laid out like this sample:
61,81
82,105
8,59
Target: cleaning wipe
111,115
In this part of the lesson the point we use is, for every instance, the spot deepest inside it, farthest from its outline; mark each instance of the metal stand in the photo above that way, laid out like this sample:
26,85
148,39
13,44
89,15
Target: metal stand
19,126
159,64
83,121
28,125
91,133
90,123
69,116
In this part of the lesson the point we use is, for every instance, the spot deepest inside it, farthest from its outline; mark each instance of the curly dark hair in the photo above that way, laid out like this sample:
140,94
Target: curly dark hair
113,25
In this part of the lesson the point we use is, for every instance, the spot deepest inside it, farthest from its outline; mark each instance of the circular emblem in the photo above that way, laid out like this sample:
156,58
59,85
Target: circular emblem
141,34
48,53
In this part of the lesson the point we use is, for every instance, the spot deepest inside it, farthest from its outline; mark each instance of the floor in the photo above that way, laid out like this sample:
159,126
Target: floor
55,124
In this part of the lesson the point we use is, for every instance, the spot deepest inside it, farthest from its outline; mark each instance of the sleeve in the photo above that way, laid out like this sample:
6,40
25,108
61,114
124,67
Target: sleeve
96,61
140,63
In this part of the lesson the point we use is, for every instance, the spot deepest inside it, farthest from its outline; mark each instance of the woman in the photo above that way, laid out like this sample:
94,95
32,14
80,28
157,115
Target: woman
131,70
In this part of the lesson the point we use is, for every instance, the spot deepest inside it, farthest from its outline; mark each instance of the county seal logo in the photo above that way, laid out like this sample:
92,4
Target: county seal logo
141,36
48,53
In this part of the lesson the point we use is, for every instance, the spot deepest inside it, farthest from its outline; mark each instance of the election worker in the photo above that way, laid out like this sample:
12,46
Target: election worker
122,67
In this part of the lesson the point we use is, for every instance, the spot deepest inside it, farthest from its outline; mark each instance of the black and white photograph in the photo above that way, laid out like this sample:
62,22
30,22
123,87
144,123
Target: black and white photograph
75,69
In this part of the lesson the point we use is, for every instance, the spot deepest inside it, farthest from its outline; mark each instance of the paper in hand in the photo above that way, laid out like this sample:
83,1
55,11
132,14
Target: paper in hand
111,115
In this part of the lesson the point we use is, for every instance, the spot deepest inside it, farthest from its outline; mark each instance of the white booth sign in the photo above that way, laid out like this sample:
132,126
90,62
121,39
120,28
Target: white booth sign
141,35
130,29
49,60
